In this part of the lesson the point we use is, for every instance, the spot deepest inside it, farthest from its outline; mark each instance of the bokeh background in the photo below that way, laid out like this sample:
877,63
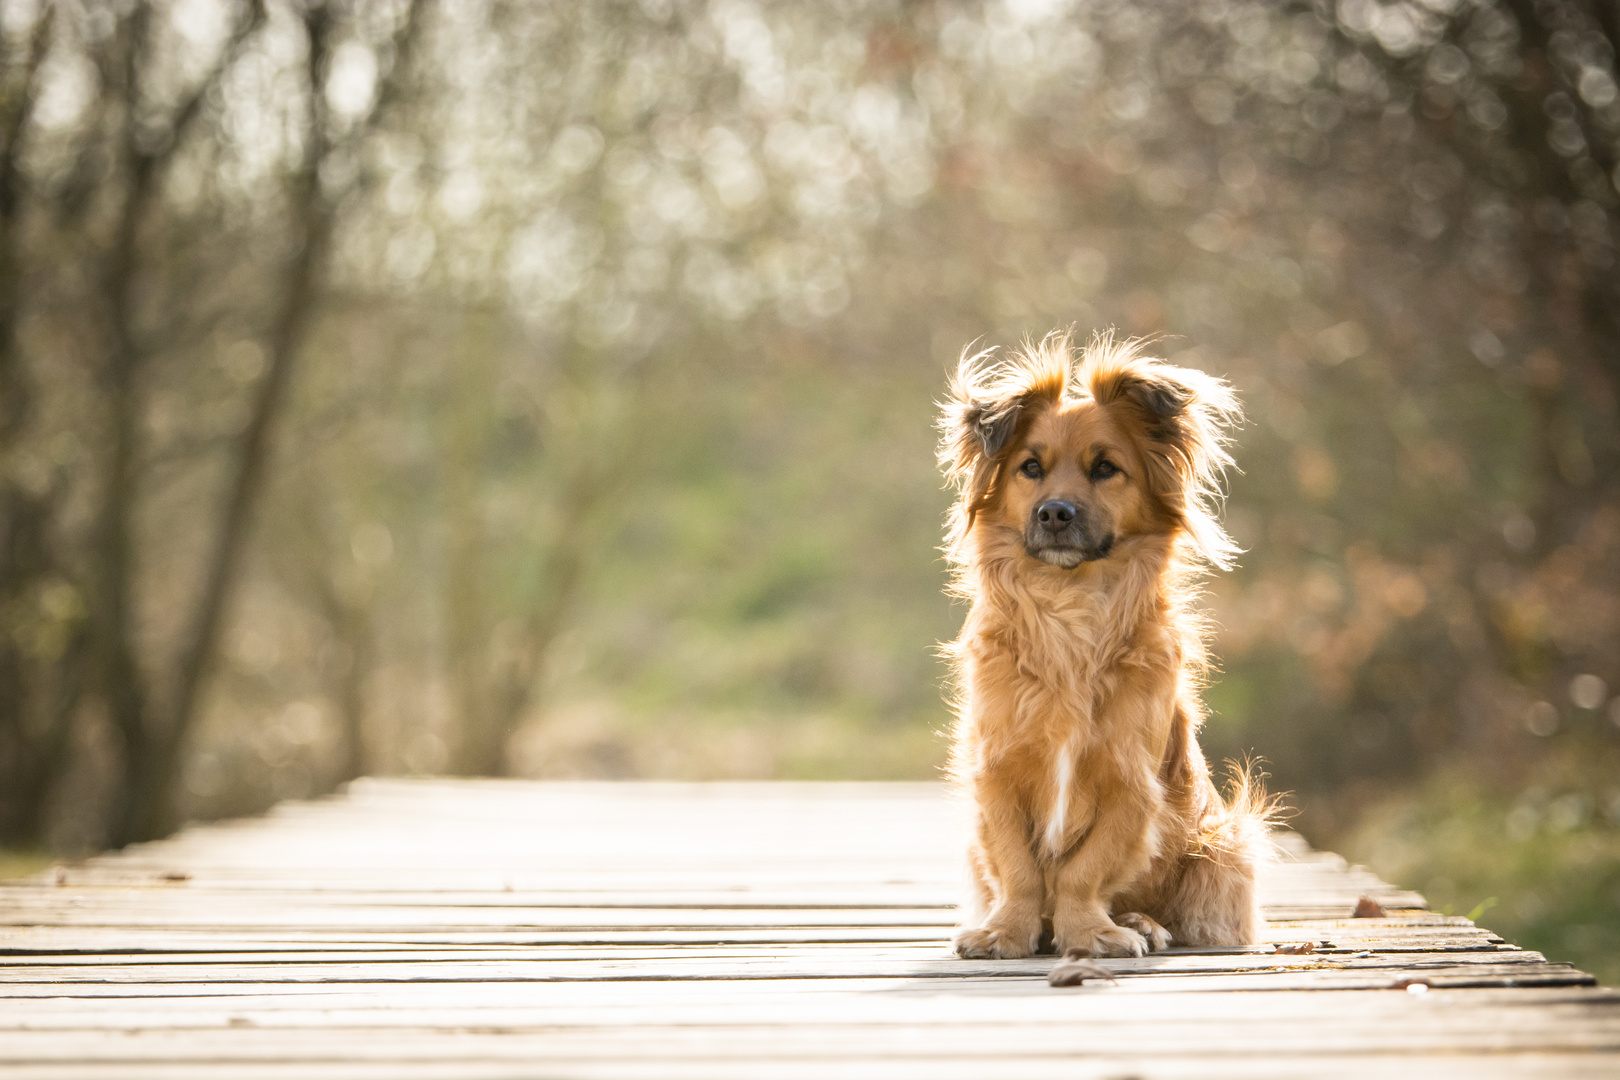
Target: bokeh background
540,388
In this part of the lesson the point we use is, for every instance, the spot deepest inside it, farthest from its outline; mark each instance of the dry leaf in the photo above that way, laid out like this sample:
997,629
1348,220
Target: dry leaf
1368,908
1297,950
1075,969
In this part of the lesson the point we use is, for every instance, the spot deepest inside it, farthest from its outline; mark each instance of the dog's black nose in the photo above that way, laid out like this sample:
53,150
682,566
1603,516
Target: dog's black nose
1055,513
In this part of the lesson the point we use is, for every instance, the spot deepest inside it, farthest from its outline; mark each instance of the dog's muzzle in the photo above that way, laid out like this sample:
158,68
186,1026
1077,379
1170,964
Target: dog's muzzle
1062,533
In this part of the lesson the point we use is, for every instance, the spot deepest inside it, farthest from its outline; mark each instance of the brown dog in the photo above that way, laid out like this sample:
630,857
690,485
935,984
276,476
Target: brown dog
1086,508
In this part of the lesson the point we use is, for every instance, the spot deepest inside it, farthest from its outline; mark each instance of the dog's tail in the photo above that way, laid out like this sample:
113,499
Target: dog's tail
1238,827
1216,902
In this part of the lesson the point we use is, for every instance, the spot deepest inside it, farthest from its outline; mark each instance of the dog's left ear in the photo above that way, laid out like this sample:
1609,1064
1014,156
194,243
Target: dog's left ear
1183,416
1162,401
1161,397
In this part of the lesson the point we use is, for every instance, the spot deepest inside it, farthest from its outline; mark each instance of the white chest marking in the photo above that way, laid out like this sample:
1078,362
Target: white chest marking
1057,825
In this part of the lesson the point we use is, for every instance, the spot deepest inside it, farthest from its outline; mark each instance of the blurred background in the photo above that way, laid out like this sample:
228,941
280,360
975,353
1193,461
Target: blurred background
545,389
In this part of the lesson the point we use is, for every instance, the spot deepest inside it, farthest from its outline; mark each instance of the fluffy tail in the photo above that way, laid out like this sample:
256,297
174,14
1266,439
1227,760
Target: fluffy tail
1216,903
1239,827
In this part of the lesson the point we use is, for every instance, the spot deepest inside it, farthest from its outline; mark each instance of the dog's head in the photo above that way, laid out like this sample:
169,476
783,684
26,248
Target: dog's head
1067,461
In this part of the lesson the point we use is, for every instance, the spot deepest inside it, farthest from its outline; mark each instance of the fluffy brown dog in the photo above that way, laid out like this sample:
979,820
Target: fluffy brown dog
1087,491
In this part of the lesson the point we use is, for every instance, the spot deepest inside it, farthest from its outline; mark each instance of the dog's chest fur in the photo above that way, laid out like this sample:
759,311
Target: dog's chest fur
1072,690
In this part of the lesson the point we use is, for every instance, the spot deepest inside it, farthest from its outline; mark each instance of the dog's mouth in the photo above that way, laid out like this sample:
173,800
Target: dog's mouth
1069,556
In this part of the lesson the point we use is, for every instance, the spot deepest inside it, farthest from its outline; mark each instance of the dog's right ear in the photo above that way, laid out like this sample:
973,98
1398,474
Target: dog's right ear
975,433
980,419
991,423
976,422
987,402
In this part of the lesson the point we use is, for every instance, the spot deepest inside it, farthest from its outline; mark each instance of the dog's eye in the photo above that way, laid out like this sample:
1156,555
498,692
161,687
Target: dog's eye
1032,469
1103,469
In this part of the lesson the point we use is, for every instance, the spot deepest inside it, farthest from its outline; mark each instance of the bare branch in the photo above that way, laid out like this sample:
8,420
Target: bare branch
19,112
1539,38
15,393
1606,13
407,39
248,22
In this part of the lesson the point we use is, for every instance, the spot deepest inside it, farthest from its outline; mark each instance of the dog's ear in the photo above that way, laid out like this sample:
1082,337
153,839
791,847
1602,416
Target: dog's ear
980,418
1182,418
1161,397
989,400
976,431
1161,403
993,424
1157,400
989,403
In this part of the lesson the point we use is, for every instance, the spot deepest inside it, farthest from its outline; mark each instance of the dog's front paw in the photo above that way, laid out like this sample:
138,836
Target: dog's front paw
1158,938
992,943
1106,939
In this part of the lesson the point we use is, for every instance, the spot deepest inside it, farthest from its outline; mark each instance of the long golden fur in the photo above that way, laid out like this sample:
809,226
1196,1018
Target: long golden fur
1088,487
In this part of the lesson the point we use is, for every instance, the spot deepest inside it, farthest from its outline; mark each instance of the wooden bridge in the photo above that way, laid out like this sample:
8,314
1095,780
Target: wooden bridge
432,928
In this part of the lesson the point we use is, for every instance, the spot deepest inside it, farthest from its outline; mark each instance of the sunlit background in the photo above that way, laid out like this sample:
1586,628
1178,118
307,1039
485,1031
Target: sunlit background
542,388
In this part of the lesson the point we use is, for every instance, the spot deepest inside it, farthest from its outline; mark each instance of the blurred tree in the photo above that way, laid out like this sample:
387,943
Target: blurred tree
505,602
104,203
42,649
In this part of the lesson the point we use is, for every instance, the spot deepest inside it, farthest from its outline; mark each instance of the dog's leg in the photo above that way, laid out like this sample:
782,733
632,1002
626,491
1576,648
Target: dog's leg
1006,865
1115,851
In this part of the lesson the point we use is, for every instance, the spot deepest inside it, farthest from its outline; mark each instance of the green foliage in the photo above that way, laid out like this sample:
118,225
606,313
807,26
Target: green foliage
16,863
784,568
1546,858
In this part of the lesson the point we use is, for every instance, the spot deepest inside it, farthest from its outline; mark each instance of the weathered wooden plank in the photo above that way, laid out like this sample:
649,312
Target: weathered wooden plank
1357,1066
1521,1013
171,914
720,998
1418,931
115,948
1117,1034
739,961
1079,1037
785,942
1369,977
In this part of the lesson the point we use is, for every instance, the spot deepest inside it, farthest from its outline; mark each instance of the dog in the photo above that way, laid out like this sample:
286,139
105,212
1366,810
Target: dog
1087,489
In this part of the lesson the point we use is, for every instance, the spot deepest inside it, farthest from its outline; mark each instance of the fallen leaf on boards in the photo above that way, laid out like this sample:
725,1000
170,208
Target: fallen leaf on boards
1074,970
1368,908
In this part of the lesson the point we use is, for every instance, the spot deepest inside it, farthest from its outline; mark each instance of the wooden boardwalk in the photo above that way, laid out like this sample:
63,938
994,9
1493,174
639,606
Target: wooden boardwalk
431,928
